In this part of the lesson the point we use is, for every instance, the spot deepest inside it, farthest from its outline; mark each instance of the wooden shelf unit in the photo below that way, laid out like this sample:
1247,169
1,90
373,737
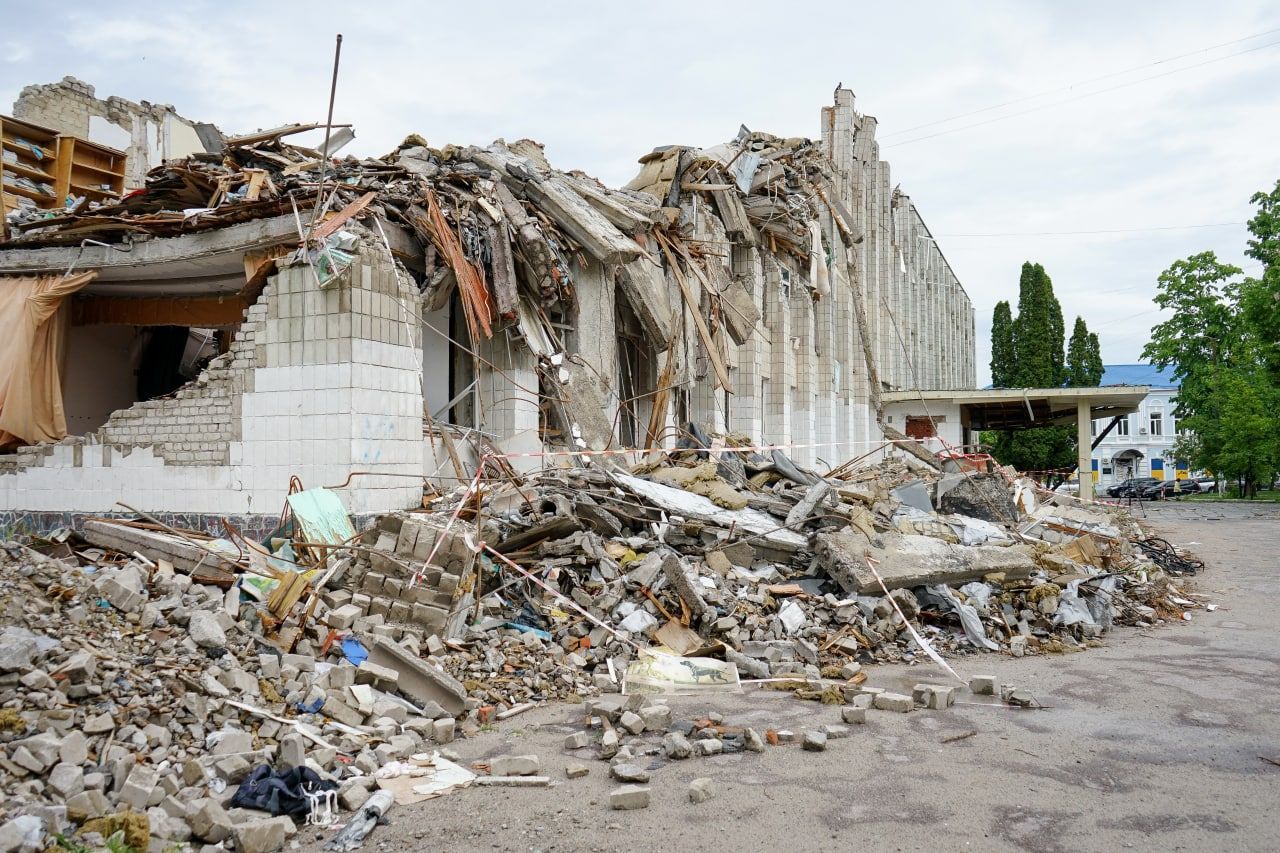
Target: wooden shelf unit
67,166
19,143
88,169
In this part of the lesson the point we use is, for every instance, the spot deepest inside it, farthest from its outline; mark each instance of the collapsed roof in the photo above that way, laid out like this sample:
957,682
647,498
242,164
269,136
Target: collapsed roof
499,223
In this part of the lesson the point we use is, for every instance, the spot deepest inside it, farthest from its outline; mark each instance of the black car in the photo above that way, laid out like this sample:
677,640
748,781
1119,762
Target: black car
1169,489
1132,487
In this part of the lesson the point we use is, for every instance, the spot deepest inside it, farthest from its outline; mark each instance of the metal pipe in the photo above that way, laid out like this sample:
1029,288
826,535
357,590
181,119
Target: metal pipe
328,130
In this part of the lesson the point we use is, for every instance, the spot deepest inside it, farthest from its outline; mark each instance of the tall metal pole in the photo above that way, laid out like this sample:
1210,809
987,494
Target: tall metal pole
328,129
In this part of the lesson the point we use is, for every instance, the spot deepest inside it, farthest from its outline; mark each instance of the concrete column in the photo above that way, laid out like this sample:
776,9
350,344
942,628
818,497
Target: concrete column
1084,452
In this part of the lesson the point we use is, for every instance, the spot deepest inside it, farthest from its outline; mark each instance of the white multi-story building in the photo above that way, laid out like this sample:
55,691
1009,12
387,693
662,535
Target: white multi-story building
1139,443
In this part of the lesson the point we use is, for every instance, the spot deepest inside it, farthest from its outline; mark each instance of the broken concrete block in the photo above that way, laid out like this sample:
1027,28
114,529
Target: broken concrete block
341,618
814,741
79,667
983,685
18,649
656,717
629,797
87,804
443,729
709,746
417,679
701,790
851,714
381,676
74,749
906,561
893,702
39,752
263,836
934,696
66,780
123,588
835,732
609,743
632,722
629,773
210,822
138,786
22,833
578,740
335,707
205,631
717,562
514,765
352,796
676,745
576,770
293,750
752,741
232,741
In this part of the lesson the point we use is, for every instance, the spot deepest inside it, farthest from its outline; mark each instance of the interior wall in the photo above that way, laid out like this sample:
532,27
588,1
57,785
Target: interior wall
435,361
100,374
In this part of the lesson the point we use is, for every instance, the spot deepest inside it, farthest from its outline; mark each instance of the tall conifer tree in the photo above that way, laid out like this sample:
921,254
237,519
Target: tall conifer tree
1003,367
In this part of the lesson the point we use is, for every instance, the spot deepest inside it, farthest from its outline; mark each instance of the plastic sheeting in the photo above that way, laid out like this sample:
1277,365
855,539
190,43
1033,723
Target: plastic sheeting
969,619
1072,609
32,356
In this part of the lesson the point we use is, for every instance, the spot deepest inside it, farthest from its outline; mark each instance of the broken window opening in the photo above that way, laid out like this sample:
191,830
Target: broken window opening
461,409
637,376
113,366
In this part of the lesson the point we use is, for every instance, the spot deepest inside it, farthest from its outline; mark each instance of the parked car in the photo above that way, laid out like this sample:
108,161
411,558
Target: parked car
1169,489
1130,487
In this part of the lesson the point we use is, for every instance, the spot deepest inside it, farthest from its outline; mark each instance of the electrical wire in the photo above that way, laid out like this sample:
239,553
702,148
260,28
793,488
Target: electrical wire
1079,97
1099,231
1071,86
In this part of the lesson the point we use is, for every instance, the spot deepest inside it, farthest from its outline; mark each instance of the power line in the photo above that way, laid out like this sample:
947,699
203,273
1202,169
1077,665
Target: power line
1142,313
1084,82
1081,97
1098,231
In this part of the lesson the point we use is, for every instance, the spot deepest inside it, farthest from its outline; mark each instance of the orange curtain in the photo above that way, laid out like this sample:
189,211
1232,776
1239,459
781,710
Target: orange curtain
33,341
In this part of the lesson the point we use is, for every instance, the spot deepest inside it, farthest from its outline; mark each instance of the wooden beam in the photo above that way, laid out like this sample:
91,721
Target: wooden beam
713,350
340,218
197,311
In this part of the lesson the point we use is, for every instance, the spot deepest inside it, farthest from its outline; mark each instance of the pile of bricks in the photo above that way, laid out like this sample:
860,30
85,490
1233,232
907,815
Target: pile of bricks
393,595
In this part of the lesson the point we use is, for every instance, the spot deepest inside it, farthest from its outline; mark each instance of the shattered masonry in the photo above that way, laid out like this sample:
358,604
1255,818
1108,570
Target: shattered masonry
750,266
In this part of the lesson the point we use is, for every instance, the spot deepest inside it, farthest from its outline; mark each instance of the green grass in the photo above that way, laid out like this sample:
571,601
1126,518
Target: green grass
1231,494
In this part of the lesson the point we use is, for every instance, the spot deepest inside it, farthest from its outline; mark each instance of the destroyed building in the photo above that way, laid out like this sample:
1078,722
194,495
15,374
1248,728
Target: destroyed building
264,341
449,305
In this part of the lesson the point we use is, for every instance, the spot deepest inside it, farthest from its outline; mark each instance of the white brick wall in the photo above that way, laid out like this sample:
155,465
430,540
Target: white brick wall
300,393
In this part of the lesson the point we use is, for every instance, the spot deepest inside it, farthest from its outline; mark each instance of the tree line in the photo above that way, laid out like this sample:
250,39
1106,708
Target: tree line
1027,351
1223,343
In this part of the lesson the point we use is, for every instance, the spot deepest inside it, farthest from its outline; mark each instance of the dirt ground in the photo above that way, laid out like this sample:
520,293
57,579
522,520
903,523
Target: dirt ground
1153,742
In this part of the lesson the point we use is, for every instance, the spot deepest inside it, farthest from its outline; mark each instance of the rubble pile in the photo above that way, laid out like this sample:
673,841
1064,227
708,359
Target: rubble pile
779,573
130,690
508,233
155,681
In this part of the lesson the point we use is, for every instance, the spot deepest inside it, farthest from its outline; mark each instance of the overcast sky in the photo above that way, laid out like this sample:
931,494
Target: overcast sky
600,84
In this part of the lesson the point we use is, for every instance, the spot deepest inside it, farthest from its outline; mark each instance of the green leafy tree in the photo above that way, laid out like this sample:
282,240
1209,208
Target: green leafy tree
1229,397
1260,297
1084,357
1027,352
1003,365
1203,332
1246,442
1037,331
